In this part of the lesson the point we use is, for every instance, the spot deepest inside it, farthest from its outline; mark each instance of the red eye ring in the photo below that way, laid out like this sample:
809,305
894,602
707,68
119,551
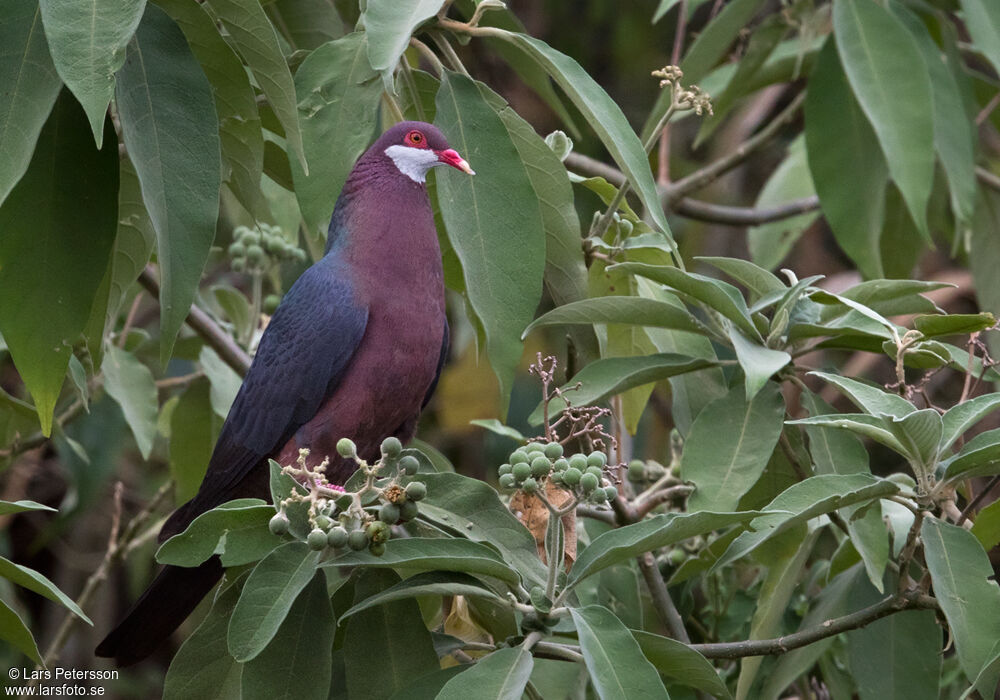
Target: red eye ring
416,139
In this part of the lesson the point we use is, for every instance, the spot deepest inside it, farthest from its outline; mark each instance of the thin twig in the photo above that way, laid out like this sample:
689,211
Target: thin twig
645,505
987,178
425,51
743,216
662,601
129,320
977,499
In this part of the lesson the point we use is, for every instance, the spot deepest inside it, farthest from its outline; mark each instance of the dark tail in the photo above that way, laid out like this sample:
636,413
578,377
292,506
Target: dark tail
170,598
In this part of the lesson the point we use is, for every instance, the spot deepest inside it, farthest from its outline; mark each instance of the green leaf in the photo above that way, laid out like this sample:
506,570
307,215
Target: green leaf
131,384
920,433
619,309
874,427
268,595
979,456
953,324
471,509
663,8
495,426
202,667
254,37
338,98
889,78
501,247
224,380
982,19
296,665
986,528
614,375
240,136
605,118
87,40
759,281
867,397
238,533
724,470
405,651
624,543
714,41
171,130
960,572
134,241
984,258
31,86
721,296
32,580
433,554
502,674
759,363
678,661
58,229
16,633
390,23
840,139
803,501
613,658
193,431
894,297
8,507
426,584
306,25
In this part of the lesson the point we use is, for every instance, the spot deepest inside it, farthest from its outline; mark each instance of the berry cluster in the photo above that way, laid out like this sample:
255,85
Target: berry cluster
254,250
580,473
360,519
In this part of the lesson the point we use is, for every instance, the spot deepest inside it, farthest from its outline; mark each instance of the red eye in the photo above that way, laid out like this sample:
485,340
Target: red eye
416,139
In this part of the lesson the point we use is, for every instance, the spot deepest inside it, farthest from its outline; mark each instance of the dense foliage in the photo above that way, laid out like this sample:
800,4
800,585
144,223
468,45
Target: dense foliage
712,479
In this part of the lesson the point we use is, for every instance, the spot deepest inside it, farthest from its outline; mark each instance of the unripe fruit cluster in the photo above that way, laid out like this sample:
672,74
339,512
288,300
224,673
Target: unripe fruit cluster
580,473
255,249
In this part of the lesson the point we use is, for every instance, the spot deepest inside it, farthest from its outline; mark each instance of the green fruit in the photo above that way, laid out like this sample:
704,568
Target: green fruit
596,471
378,531
337,537
249,238
521,471
560,465
519,457
416,490
299,254
238,264
271,302
553,450
391,447
540,466
529,485
316,539
255,254
357,540
507,481
346,448
556,478
588,482
275,245
611,492
409,465
597,459
278,525
389,513
534,447
598,496
504,469
636,470
323,522
578,461
237,250
377,548
408,510
571,477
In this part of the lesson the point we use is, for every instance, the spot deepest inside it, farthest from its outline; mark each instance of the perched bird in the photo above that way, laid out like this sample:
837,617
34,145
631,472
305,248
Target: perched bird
354,350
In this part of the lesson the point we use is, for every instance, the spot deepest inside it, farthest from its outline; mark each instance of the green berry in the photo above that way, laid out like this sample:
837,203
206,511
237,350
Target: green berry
534,447
275,245
504,469
596,471
416,490
336,537
389,513
571,477
323,522
238,264
408,510
597,459
316,539
611,492
540,466
519,457
346,448
378,531
271,302
598,496
299,254
578,461
636,470
249,238
529,485
560,465
553,450
507,481
588,482
237,250
357,540
409,465
556,478
377,548
278,525
521,471
391,447
255,254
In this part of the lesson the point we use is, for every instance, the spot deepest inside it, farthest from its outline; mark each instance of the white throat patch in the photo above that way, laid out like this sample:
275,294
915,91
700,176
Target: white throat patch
413,162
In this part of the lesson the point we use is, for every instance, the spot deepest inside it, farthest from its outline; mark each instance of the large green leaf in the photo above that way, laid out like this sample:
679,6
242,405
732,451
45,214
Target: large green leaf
613,658
31,86
171,130
501,675
984,258
982,19
254,37
130,383
619,309
235,530
867,397
240,135
296,665
759,362
87,40
961,572
678,661
390,24
839,139
493,222
724,470
338,98
58,229
979,456
433,554
32,580
889,77
16,633
428,583
875,427
193,430
267,596
919,433
714,41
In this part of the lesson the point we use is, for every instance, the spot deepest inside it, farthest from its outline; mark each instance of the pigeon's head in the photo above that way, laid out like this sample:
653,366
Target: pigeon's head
416,147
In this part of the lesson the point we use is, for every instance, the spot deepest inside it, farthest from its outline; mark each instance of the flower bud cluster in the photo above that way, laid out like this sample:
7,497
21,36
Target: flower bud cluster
581,474
254,250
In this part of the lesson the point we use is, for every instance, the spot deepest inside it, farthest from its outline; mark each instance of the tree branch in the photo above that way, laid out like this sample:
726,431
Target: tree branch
987,178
